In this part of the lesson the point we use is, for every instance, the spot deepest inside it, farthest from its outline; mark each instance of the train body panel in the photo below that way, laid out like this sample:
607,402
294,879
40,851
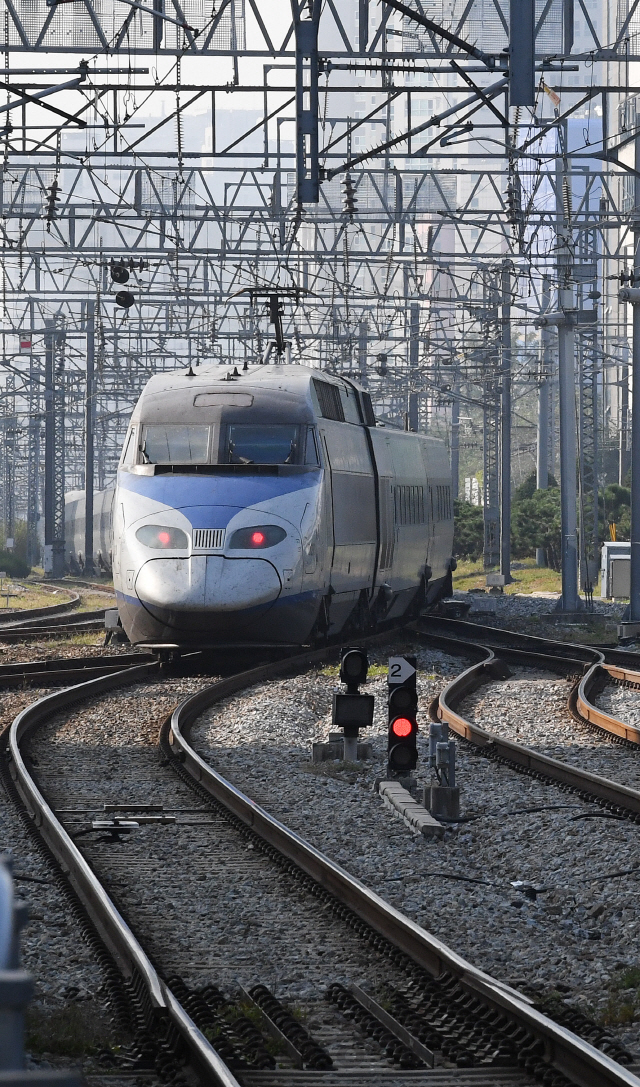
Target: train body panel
269,508
74,524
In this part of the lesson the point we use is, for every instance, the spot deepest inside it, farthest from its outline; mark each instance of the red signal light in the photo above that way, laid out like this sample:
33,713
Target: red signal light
402,727
164,538
257,539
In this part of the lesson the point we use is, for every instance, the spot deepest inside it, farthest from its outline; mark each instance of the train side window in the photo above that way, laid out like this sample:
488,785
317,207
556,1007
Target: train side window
367,410
311,455
350,408
129,451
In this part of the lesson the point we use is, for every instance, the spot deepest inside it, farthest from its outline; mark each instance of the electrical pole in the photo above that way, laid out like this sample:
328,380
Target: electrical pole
33,461
505,428
455,441
414,351
89,415
542,451
630,626
49,450
565,319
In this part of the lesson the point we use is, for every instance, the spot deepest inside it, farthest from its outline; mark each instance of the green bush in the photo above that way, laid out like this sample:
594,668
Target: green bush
616,506
468,538
535,522
528,488
13,565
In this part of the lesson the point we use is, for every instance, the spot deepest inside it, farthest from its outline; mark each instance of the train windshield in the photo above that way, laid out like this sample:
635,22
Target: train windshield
175,444
262,444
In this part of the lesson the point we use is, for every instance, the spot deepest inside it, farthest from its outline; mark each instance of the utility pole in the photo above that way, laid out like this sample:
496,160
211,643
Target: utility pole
490,438
54,454
564,319
49,450
33,461
89,416
455,441
414,351
630,626
363,343
542,451
623,453
505,428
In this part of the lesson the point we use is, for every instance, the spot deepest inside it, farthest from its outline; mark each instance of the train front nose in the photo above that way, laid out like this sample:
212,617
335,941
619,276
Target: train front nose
206,592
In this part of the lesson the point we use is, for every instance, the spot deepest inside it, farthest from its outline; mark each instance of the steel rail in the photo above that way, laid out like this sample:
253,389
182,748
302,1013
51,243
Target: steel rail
443,708
67,670
112,928
33,633
27,614
54,620
577,1059
547,653
580,700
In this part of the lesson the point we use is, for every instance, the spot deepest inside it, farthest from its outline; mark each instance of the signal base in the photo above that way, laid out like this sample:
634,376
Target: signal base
443,801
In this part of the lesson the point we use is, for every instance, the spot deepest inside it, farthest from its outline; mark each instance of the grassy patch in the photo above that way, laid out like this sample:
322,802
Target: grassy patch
375,670
530,579
618,1011
23,596
94,601
622,1005
76,1030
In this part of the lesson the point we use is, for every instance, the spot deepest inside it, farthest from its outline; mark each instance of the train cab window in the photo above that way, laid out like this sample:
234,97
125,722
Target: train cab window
173,444
262,444
129,452
311,455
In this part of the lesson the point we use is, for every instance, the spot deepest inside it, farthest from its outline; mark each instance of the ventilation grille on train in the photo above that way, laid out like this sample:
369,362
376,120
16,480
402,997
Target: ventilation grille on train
208,538
329,400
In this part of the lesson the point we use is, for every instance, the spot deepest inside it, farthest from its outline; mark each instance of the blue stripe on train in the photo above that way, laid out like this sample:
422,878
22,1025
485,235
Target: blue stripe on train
239,491
310,594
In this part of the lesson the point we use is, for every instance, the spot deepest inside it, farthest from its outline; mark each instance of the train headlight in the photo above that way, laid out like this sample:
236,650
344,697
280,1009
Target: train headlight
162,537
259,536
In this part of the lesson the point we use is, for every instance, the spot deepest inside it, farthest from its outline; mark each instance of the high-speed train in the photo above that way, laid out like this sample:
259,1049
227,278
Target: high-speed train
268,507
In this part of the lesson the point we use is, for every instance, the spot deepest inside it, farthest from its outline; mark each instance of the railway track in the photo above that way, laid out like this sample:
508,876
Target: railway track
51,621
322,922
64,671
591,666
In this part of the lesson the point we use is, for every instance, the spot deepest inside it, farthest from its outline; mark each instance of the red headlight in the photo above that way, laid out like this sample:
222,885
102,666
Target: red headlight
260,536
162,536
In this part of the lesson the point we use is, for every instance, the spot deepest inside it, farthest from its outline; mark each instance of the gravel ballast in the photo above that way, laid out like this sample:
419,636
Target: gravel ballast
560,923
621,702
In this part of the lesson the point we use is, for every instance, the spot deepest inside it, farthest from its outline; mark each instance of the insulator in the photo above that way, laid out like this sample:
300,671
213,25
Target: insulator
52,200
349,198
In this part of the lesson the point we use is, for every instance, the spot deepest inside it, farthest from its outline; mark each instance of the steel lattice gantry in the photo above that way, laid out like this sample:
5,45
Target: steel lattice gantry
205,190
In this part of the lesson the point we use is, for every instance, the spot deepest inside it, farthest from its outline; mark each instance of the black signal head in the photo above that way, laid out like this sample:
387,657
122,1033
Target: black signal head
354,665
403,700
402,758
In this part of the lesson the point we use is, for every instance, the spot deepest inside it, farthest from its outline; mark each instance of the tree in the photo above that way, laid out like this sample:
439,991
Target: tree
616,506
535,522
468,537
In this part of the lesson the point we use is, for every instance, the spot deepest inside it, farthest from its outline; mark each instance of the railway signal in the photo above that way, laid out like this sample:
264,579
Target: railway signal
402,750
352,710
